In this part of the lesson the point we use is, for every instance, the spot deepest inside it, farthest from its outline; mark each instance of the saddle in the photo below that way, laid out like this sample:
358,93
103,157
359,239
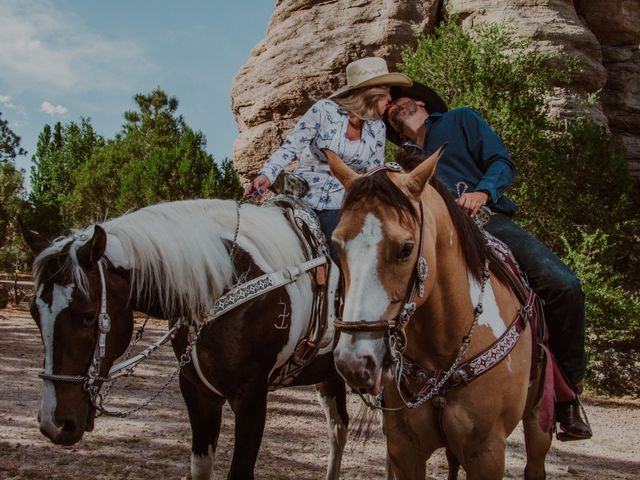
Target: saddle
557,388
306,225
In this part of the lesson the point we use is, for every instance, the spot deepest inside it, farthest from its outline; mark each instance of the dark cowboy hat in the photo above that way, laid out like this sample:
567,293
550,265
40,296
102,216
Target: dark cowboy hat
432,102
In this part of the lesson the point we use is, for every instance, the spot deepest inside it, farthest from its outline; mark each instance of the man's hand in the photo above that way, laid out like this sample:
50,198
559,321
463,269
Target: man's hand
472,201
257,187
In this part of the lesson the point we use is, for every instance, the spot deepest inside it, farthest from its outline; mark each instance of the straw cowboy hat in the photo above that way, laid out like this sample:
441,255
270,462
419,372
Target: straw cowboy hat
369,72
417,91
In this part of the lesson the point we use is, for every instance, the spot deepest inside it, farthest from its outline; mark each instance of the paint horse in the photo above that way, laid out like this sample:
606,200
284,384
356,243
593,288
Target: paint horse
173,260
426,319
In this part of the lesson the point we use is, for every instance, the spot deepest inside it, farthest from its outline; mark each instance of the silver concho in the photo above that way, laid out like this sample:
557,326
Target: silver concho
422,269
483,216
394,167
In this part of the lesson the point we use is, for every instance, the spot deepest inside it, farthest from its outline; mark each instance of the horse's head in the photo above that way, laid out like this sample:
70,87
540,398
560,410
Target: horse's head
379,238
67,307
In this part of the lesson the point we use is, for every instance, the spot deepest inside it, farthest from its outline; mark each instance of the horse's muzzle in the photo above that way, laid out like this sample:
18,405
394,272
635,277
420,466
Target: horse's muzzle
360,371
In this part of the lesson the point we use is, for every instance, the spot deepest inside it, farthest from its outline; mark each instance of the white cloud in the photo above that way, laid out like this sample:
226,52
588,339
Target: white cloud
51,109
44,44
5,100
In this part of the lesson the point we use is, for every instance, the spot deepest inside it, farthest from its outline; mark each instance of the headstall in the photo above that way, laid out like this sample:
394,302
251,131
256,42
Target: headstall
421,272
89,379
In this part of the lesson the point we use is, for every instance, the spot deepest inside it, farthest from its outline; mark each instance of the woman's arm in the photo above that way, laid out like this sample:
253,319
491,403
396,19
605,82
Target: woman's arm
301,136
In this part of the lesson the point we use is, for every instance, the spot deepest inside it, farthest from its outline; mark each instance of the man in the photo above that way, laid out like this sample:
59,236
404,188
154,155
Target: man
477,169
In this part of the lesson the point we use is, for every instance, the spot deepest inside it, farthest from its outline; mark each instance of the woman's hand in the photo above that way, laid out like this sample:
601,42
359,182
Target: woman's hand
257,187
472,201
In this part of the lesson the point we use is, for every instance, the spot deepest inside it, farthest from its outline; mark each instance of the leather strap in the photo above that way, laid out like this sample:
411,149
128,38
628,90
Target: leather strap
259,286
363,325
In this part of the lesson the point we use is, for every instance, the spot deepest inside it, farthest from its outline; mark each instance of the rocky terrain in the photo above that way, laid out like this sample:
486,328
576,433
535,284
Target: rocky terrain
309,42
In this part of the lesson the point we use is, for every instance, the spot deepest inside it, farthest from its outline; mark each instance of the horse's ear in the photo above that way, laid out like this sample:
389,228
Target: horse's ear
340,170
93,250
421,175
36,242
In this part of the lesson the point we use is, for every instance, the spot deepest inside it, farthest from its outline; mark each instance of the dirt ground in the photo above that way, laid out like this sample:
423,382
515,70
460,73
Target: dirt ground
155,443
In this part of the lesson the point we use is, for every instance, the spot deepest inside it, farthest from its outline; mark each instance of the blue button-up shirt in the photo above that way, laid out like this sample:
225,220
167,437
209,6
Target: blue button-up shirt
325,125
474,155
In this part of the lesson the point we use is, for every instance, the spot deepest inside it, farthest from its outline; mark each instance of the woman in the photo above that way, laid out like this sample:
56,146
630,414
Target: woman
349,123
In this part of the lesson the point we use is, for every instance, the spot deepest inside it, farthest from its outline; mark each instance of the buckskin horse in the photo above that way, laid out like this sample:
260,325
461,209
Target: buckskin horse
176,260
428,320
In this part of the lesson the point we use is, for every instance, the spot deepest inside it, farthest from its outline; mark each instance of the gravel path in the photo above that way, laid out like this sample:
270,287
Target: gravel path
156,442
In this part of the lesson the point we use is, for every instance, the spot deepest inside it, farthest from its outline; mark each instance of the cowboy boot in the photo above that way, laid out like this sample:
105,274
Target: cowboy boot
574,424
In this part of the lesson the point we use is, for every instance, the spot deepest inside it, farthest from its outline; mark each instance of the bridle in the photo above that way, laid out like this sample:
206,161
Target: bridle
104,327
395,326
92,376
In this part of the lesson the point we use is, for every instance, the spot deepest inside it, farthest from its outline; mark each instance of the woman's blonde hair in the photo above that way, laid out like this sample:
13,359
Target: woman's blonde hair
363,102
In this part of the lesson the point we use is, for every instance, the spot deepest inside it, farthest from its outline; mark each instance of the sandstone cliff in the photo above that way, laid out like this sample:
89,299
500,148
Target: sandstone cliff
309,42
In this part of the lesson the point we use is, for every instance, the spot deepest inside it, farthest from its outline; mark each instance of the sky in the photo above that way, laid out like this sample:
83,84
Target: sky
62,60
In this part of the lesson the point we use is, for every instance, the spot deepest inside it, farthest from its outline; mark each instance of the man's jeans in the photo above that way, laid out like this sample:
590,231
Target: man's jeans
560,289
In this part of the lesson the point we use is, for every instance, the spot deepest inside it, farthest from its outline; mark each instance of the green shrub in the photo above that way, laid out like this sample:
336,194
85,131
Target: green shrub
611,309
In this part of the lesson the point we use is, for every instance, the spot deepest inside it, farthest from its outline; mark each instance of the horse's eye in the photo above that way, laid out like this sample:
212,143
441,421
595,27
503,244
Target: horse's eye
405,251
89,318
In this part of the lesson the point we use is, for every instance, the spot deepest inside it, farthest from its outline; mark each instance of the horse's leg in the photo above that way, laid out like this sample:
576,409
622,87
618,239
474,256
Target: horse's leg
537,444
389,473
332,396
405,457
454,465
407,463
484,458
389,469
205,414
250,408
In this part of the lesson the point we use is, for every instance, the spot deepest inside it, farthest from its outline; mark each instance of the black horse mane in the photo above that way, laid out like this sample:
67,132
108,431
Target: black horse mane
380,187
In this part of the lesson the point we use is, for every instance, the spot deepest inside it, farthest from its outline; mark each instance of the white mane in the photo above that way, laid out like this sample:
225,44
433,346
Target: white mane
177,247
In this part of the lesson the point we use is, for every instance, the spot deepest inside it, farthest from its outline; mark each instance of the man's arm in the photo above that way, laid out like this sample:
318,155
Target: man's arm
490,154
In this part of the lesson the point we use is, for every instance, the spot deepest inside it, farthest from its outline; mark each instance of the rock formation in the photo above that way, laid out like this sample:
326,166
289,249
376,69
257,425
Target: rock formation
309,42
616,25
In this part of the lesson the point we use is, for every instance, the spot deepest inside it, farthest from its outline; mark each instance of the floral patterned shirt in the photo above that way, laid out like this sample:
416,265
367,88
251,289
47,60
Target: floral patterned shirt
324,125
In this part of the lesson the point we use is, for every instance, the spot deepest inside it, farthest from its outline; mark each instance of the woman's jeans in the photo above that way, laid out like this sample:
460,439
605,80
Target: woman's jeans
558,287
328,223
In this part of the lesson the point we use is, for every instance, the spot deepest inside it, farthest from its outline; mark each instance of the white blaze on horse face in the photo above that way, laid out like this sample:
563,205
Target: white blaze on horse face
367,299
490,311
60,299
